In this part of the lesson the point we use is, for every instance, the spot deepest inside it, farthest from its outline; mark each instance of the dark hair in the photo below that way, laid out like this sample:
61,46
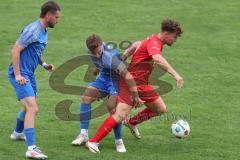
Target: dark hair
49,6
93,41
171,26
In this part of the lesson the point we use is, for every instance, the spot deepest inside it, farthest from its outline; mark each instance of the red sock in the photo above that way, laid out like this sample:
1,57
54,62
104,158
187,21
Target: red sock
104,129
144,115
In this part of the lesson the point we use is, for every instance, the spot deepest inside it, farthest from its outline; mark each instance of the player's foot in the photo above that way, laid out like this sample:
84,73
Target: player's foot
80,140
18,136
35,153
120,146
133,129
93,147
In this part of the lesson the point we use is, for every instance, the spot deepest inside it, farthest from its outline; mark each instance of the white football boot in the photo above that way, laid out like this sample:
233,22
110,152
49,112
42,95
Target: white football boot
93,147
133,129
18,136
80,140
35,153
120,146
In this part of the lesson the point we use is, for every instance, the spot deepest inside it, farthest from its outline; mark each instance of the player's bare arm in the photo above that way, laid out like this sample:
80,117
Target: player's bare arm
131,85
167,67
130,50
16,50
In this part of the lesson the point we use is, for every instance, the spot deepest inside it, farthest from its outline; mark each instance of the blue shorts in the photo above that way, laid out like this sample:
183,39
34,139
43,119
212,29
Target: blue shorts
106,87
27,90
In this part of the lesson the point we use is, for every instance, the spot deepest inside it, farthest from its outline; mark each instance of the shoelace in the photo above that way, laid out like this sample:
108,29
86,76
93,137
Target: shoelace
81,136
37,150
97,144
119,143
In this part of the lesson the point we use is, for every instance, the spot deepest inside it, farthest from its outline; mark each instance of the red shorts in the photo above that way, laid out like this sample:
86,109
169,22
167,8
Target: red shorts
145,92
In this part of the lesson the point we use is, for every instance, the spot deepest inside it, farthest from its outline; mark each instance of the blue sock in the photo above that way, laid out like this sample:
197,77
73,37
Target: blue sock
20,122
85,115
118,131
30,137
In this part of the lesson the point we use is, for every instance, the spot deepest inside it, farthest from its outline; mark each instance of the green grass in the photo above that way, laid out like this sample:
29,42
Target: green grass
207,56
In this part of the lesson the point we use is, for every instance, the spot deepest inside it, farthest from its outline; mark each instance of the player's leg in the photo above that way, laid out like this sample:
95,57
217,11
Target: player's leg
153,109
90,95
18,133
29,128
30,116
158,106
122,110
112,102
26,94
154,105
30,103
113,89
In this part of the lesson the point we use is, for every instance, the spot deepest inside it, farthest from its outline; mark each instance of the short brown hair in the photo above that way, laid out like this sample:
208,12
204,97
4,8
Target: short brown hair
49,6
93,41
171,26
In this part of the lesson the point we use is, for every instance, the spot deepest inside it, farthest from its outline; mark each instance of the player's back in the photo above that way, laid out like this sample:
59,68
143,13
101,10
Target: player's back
141,64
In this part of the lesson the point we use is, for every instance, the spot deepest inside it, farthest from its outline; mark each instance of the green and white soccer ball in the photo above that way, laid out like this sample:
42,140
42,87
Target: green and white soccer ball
180,128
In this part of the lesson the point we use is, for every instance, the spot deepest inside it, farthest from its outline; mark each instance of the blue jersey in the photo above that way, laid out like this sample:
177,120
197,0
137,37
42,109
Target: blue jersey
109,63
34,40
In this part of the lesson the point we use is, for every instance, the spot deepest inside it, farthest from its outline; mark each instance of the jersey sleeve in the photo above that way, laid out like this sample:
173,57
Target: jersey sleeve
27,37
153,47
117,65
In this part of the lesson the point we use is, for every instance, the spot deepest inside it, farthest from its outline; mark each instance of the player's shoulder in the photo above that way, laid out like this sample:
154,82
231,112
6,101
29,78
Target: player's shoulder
33,28
108,46
153,37
110,50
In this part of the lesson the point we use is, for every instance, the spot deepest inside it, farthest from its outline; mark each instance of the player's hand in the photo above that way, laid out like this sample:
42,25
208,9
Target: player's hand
180,81
49,67
137,102
21,80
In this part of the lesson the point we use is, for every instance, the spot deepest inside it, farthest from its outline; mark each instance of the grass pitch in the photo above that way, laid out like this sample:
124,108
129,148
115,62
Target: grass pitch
207,56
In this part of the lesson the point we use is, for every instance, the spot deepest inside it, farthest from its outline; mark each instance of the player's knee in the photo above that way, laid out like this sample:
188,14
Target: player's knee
121,117
164,110
161,110
123,114
87,99
33,110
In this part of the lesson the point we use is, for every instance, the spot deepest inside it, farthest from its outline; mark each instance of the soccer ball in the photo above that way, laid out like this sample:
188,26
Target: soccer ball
180,128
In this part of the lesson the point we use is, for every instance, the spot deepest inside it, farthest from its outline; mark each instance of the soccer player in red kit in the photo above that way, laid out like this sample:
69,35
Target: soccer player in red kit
147,52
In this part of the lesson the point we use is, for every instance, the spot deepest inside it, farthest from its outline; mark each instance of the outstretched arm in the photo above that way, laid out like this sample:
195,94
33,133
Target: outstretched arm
167,67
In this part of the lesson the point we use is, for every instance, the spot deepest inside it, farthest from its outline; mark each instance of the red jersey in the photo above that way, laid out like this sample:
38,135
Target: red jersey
141,65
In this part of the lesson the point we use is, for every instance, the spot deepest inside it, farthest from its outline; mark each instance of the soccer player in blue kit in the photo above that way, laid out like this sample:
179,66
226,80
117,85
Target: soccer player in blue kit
26,55
108,62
